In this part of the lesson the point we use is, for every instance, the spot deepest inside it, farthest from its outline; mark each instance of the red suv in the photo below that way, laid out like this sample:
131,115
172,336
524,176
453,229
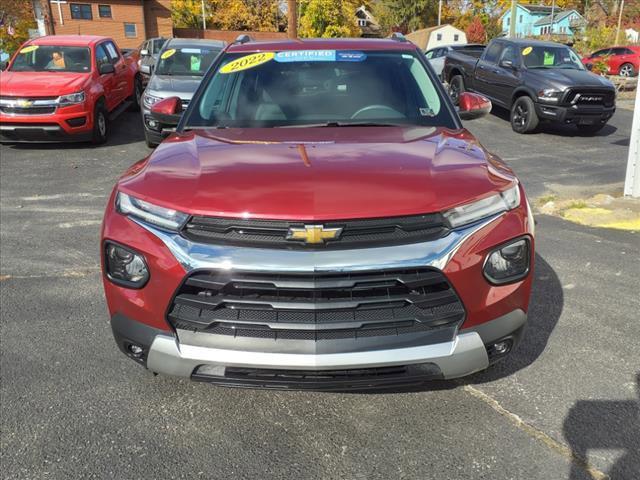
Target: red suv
623,61
320,219
66,88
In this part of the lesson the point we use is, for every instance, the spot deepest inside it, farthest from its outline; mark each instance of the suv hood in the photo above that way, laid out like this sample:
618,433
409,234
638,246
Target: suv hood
561,79
170,85
317,173
41,84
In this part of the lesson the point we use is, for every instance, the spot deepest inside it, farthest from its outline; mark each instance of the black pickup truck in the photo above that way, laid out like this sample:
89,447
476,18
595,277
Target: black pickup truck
535,80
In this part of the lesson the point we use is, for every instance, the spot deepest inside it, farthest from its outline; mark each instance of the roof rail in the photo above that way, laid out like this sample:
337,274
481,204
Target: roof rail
398,37
243,38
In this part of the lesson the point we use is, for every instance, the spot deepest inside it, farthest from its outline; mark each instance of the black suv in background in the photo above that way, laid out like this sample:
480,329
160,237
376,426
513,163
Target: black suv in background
537,81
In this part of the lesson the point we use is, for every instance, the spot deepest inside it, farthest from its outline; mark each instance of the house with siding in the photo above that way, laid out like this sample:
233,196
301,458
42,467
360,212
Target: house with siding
534,20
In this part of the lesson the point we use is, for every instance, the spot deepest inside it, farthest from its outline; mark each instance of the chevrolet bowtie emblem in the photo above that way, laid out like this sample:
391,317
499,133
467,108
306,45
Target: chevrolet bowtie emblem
24,103
313,234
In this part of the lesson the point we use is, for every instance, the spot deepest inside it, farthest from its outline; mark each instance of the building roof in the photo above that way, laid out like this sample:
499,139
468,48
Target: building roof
558,17
323,44
536,9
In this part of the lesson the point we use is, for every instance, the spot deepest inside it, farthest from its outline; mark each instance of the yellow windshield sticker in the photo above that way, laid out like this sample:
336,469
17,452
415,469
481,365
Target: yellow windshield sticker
527,50
248,61
29,49
166,54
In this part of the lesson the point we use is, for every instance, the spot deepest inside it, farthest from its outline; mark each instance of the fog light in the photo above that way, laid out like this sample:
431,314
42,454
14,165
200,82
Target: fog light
500,347
125,267
508,263
135,350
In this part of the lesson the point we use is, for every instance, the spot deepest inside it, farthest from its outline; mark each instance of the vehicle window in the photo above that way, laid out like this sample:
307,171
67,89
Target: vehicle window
552,56
157,44
186,61
102,57
627,51
45,58
618,51
601,53
430,54
510,54
492,52
113,53
318,88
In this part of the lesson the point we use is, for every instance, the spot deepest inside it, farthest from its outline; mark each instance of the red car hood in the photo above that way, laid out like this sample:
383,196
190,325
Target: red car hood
41,84
317,173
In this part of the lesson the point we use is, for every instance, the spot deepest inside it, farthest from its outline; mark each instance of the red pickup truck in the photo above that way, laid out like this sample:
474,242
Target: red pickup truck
66,88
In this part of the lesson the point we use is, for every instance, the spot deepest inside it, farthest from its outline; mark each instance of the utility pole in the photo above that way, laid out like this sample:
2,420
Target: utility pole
439,12
553,17
292,12
512,20
619,21
632,179
204,19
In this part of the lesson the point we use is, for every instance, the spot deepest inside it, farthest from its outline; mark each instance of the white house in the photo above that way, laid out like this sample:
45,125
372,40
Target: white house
428,38
632,35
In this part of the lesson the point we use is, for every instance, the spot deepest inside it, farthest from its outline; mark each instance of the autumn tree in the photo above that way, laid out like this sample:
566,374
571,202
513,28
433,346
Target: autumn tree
17,18
475,31
328,18
261,15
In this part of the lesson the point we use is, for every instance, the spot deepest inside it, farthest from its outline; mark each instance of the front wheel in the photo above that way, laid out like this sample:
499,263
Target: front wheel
136,97
627,70
150,143
590,129
100,124
456,87
524,118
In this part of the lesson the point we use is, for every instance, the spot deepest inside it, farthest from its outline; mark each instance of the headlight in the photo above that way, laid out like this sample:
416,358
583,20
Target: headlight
147,212
472,212
149,100
549,95
508,263
71,99
125,267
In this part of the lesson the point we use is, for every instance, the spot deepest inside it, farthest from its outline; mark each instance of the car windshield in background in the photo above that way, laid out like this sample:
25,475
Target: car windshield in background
303,88
551,57
51,58
186,61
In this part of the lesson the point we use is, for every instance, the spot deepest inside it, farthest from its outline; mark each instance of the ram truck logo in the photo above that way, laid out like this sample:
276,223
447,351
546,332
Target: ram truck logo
314,234
587,98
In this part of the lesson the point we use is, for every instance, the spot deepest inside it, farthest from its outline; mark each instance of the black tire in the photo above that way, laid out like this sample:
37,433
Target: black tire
149,143
100,124
590,129
524,118
627,70
456,87
136,97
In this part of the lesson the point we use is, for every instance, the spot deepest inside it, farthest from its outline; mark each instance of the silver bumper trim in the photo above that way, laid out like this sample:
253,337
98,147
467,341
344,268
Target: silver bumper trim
436,253
464,355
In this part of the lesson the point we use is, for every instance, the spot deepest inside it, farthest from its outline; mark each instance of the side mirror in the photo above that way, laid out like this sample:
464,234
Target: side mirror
144,52
106,68
167,112
473,106
506,64
146,69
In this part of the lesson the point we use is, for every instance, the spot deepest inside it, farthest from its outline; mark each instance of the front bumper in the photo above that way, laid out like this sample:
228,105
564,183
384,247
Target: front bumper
468,352
574,114
68,124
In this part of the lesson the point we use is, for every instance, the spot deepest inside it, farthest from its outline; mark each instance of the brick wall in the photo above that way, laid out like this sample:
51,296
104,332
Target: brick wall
157,14
122,11
226,35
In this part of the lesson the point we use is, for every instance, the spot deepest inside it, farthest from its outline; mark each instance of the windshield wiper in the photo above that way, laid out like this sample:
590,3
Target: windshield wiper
341,124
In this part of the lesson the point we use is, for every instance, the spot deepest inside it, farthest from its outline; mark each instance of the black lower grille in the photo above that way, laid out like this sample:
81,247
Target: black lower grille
590,97
27,110
353,233
316,307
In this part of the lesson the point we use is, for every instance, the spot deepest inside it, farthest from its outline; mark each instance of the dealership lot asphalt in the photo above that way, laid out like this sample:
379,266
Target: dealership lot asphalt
566,405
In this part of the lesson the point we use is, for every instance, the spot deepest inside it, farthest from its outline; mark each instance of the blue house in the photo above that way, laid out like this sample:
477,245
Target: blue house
533,20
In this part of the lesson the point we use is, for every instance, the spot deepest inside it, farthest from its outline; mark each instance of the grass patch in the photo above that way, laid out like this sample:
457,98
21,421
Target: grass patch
575,204
546,198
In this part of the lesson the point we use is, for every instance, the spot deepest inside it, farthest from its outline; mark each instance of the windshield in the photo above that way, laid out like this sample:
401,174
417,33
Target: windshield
186,61
319,88
51,58
552,56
